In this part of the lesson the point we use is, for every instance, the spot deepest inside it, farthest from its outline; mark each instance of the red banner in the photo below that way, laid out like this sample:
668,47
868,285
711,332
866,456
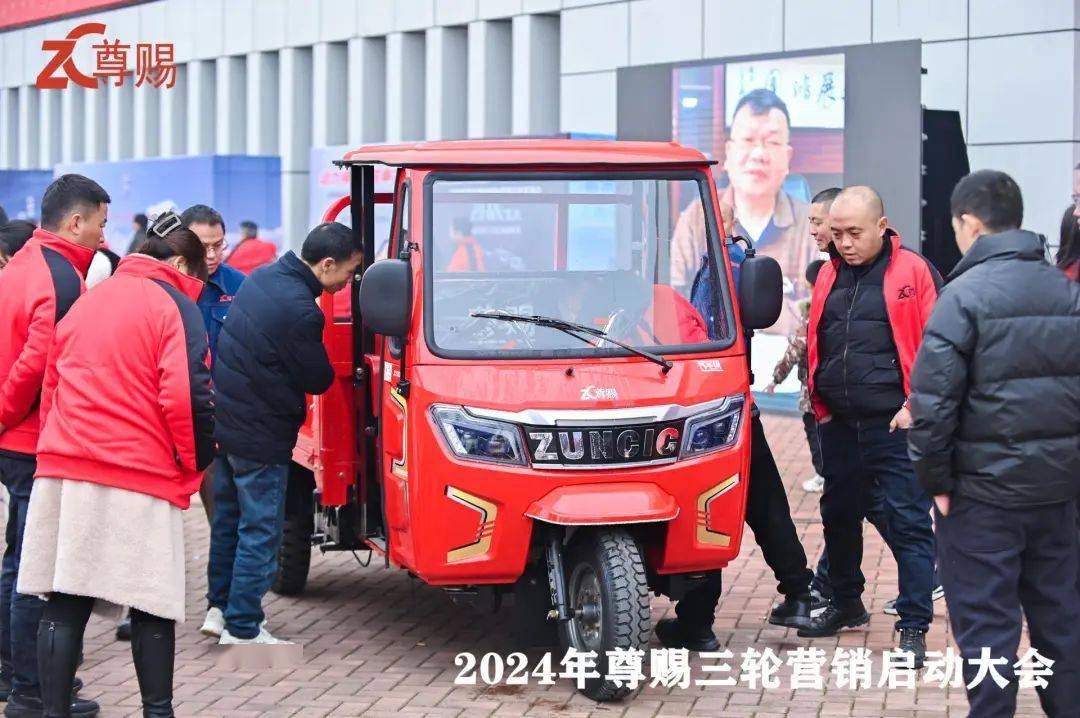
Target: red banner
14,13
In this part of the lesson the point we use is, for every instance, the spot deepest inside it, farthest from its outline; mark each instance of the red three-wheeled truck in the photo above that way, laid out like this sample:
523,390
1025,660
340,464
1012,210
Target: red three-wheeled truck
542,383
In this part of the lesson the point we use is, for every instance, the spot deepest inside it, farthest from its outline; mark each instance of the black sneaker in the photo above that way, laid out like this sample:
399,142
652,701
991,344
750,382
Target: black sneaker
22,707
913,641
833,619
671,635
793,612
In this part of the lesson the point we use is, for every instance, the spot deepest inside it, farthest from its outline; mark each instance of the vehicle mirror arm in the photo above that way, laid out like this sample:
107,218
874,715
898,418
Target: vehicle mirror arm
750,251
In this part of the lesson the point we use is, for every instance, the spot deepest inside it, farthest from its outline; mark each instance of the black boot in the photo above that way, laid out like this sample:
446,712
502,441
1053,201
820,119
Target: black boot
793,611
153,646
673,634
59,646
834,619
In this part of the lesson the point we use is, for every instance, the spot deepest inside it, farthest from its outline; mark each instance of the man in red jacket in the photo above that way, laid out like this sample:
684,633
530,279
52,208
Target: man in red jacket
37,289
251,252
867,314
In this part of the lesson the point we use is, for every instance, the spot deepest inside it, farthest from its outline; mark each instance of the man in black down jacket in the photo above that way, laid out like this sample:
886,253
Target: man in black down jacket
996,441
270,355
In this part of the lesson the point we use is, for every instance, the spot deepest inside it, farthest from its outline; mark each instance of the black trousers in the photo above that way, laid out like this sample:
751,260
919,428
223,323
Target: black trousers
861,459
769,516
809,423
997,562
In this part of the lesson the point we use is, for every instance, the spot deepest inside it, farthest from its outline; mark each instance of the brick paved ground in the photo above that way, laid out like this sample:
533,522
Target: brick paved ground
379,643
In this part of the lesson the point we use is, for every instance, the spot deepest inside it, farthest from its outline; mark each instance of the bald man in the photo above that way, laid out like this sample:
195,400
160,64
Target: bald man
867,314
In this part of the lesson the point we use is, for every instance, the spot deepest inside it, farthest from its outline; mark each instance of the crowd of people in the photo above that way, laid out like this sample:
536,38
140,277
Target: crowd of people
112,464
945,414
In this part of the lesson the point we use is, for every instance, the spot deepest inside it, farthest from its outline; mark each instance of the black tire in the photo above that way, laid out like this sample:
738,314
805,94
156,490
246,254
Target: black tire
609,563
294,554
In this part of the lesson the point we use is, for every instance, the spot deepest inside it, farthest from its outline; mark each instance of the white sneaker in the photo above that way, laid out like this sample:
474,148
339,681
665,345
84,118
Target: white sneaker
264,637
214,623
814,485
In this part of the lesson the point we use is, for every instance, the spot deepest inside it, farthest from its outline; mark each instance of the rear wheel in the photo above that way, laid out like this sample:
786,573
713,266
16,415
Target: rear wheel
609,596
294,554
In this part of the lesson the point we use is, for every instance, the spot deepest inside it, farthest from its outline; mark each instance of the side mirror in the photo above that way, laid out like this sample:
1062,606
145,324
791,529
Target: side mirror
761,292
386,297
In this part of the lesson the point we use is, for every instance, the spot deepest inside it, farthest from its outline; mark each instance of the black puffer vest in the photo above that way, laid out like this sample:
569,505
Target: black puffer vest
858,374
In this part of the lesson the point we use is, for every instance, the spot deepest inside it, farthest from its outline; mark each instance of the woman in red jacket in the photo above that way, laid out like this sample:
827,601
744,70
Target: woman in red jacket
127,429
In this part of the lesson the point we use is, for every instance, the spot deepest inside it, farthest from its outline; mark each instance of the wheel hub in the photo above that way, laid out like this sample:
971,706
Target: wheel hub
588,611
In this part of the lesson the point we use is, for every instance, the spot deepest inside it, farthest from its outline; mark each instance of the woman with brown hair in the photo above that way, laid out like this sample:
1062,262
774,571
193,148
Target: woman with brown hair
119,460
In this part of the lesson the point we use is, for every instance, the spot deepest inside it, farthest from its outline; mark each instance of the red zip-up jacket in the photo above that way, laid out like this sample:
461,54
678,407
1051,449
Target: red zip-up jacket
911,289
251,254
37,288
127,400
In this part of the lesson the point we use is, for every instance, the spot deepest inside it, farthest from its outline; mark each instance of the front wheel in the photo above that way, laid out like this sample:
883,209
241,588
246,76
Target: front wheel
294,553
609,597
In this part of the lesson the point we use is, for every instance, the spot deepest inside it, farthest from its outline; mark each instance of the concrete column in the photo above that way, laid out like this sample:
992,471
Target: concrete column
148,121
263,104
28,127
447,87
121,101
73,121
96,136
405,86
330,91
295,141
49,124
489,79
173,109
367,90
231,100
9,127
202,116
535,78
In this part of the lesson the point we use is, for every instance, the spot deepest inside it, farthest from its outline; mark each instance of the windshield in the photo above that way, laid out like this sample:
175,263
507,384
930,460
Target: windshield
630,256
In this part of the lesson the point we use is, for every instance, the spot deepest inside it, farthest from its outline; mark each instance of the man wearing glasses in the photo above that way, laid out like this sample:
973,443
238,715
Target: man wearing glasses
214,302
757,159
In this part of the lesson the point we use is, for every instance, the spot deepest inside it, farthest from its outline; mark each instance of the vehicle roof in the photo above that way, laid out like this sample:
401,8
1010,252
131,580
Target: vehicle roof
527,153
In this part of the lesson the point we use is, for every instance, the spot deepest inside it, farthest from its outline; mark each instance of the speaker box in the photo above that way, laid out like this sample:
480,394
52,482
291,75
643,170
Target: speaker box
945,162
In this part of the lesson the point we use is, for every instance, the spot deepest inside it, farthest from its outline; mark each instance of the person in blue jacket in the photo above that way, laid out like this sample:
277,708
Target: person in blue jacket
224,281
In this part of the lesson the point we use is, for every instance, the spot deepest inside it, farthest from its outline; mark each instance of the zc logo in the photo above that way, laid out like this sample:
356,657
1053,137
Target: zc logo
153,63
906,292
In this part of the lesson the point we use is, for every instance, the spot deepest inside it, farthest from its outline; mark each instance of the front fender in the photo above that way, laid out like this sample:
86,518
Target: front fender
613,503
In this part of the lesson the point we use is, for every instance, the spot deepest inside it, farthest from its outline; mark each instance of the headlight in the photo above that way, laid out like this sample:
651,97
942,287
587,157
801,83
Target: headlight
476,439
716,430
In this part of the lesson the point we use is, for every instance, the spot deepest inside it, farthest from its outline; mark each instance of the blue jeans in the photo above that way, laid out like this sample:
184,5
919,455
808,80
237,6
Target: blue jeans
856,455
245,533
19,613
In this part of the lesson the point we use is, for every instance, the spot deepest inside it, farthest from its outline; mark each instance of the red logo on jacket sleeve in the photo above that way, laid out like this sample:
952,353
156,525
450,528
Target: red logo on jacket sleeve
906,292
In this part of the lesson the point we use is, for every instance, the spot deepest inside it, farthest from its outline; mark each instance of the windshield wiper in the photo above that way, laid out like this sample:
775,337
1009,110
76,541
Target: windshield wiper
571,328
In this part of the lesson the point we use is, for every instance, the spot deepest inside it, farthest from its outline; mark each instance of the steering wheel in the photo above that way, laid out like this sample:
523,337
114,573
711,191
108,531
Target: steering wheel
621,325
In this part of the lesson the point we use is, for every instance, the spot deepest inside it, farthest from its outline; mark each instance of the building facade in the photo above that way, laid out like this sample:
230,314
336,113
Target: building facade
281,76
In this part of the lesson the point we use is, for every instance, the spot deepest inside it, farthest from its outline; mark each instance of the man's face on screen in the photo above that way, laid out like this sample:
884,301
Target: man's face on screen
758,152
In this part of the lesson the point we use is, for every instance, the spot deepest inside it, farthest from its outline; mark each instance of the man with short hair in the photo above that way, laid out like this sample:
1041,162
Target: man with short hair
251,252
37,289
996,402
867,314
270,356
820,230
222,284
757,160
